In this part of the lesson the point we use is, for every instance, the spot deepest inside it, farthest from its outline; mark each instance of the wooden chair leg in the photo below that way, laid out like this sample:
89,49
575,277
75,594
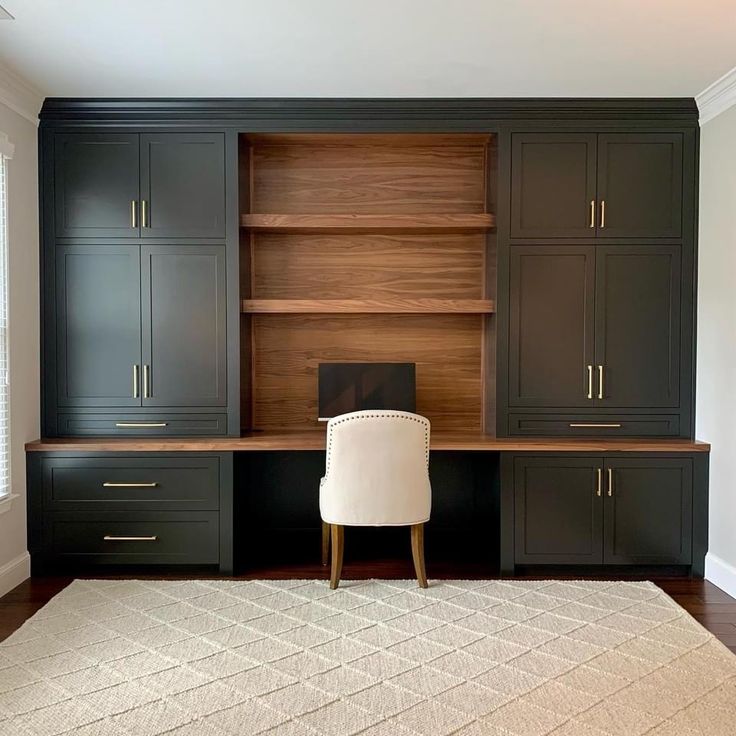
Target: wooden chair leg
417,552
325,543
338,544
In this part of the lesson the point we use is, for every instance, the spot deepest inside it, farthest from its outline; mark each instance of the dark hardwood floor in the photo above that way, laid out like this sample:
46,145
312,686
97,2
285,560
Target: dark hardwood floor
713,608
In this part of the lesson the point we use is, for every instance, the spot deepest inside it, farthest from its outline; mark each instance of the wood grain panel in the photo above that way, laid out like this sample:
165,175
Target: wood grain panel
367,306
368,266
368,175
446,349
345,223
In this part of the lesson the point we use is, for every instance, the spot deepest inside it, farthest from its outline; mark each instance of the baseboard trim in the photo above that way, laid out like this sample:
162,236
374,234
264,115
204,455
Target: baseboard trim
721,574
14,573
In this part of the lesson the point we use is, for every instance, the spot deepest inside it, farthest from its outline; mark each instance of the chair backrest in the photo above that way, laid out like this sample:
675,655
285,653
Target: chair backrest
377,470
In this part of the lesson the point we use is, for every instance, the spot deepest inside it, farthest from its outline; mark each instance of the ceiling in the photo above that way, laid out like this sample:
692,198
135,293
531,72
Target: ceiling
369,48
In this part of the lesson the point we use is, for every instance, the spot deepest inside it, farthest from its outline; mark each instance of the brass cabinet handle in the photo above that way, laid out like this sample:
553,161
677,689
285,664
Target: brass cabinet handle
599,481
610,482
600,381
136,390
144,213
146,382
133,213
595,425
603,213
590,381
108,484
592,213
141,424
111,538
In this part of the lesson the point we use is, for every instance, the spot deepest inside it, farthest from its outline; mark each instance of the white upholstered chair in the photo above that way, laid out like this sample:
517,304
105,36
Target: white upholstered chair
376,474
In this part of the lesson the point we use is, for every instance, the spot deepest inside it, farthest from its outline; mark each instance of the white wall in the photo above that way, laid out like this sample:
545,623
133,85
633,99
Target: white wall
24,333
716,386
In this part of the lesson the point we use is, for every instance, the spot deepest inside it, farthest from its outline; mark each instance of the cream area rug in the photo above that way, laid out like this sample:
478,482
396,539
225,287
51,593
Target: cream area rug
376,658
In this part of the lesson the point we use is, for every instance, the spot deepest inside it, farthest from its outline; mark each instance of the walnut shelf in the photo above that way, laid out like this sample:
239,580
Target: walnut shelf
368,306
357,222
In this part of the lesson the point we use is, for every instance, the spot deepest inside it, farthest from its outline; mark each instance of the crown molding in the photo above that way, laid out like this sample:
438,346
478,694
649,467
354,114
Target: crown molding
718,97
19,95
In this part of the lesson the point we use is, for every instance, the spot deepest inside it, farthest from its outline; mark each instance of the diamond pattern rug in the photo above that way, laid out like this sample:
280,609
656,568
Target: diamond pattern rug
376,658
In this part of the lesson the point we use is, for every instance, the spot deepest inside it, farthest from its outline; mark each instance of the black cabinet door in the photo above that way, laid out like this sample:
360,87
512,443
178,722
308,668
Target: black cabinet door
98,325
183,185
551,325
553,180
637,333
96,185
184,340
640,185
558,510
648,511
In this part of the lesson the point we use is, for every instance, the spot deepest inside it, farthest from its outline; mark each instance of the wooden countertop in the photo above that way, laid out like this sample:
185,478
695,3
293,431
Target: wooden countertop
315,440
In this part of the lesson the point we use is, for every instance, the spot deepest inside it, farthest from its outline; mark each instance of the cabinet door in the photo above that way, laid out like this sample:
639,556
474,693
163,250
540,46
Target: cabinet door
183,185
98,328
637,331
648,511
553,185
184,341
640,182
96,185
551,325
558,510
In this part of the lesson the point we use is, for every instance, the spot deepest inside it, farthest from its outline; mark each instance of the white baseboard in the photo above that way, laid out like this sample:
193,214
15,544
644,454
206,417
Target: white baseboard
15,572
720,573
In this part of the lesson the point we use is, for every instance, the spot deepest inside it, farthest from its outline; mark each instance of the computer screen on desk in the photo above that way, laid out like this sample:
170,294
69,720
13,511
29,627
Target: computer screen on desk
346,387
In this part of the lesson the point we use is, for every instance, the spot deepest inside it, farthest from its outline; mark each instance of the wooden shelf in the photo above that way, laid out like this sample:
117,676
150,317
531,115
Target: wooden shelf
353,223
368,306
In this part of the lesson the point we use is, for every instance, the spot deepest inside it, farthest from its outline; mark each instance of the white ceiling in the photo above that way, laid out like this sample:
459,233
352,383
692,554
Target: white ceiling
365,48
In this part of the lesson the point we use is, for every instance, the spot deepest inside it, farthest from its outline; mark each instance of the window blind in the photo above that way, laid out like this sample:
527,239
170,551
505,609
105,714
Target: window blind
4,367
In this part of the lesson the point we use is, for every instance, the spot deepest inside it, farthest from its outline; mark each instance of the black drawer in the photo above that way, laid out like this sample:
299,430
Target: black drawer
141,482
142,425
177,537
576,425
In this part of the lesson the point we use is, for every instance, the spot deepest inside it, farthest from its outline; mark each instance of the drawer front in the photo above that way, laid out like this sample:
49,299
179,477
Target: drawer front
130,539
142,425
186,483
571,425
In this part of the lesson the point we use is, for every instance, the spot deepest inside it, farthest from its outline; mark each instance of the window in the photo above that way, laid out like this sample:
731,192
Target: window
6,151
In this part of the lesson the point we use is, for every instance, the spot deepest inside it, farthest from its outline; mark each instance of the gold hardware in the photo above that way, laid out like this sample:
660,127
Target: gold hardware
592,213
146,382
144,213
590,381
141,424
600,381
133,214
591,425
110,538
107,484
135,382
603,213
610,481
599,483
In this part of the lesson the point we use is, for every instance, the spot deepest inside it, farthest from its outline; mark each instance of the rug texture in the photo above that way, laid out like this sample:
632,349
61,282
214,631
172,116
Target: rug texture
377,658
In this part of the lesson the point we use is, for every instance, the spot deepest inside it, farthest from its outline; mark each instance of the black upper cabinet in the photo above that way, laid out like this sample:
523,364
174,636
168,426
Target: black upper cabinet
612,185
640,185
98,325
553,185
167,185
184,340
551,325
183,185
96,185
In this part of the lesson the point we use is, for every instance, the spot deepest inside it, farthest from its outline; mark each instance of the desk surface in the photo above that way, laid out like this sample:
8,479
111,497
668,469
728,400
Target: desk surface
315,440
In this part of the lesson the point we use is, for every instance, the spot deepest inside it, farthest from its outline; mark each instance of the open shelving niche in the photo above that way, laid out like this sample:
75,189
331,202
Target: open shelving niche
367,247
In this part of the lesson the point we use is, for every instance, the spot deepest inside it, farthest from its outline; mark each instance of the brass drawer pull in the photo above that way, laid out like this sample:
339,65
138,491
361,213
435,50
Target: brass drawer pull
599,481
144,213
594,425
610,481
110,538
600,381
592,213
141,424
603,213
590,381
136,383
133,214
146,382
107,484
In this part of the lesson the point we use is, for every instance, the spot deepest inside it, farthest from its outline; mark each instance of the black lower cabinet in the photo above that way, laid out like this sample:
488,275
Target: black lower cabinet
610,510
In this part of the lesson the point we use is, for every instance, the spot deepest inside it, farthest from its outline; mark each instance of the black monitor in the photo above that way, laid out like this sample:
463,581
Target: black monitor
346,387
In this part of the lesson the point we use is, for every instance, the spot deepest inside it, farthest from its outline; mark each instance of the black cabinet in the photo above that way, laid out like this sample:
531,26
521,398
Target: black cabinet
109,185
587,185
610,510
